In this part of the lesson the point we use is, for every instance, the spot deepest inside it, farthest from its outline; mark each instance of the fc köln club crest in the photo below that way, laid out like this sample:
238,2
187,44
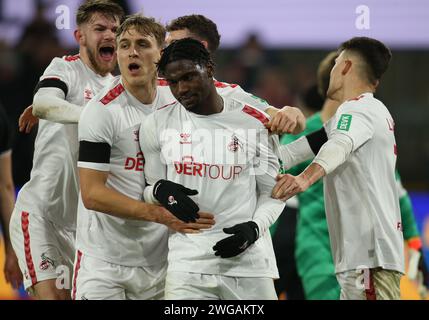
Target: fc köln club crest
46,262
235,144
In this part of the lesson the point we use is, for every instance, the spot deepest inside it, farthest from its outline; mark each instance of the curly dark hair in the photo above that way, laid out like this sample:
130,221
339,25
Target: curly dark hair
185,49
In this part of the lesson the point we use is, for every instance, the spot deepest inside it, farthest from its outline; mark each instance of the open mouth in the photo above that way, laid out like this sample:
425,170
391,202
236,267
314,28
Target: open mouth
133,67
107,52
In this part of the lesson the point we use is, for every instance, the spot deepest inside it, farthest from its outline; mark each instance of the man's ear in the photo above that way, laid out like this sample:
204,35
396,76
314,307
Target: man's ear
347,67
205,44
80,38
377,82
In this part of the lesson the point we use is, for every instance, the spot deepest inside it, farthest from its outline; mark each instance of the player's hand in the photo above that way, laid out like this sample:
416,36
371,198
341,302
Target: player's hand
243,235
11,269
175,198
205,221
27,121
288,185
286,120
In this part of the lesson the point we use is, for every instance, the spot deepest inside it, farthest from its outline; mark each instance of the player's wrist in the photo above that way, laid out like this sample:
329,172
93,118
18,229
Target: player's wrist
255,229
162,215
148,195
148,212
271,111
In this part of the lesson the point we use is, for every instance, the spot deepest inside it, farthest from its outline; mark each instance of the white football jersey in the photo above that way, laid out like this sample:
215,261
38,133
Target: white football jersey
229,90
361,196
52,191
228,158
234,91
114,117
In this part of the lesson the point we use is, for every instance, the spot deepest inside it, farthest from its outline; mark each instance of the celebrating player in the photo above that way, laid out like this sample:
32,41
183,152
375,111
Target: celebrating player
359,159
232,177
44,219
286,120
122,246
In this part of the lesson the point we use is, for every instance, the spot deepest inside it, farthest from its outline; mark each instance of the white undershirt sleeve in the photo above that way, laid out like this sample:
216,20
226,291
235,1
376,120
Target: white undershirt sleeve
334,152
267,208
295,152
50,104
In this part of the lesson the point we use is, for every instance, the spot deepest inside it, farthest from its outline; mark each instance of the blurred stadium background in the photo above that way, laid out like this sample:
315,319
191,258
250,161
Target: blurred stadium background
271,48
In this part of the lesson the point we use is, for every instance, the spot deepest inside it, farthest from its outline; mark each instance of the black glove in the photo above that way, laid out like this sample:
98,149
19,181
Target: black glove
174,197
244,234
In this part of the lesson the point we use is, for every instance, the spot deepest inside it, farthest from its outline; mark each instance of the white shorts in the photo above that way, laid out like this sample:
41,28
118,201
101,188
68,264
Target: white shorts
95,279
196,286
370,284
45,250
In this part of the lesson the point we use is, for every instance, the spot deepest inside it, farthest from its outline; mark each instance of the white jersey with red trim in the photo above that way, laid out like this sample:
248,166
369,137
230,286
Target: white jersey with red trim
229,90
114,117
236,92
52,191
228,158
361,196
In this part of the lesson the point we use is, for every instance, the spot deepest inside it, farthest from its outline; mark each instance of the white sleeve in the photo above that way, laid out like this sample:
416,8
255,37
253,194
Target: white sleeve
294,153
334,152
353,126
245,97
97,126
154,167
50,104
266,170
61,70
354,120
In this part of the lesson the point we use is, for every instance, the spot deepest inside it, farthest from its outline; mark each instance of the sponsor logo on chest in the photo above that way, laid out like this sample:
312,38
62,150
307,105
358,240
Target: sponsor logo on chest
189,167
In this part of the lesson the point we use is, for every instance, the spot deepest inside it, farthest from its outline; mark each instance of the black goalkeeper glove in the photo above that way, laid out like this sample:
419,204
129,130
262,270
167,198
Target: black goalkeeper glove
174,197
244,234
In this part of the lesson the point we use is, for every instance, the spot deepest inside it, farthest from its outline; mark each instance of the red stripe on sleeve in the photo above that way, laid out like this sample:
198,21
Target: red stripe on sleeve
112,94
256,114
219,84
72,58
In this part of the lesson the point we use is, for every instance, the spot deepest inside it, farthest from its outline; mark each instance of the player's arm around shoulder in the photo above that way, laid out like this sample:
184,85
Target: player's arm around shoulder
52,93
287,120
